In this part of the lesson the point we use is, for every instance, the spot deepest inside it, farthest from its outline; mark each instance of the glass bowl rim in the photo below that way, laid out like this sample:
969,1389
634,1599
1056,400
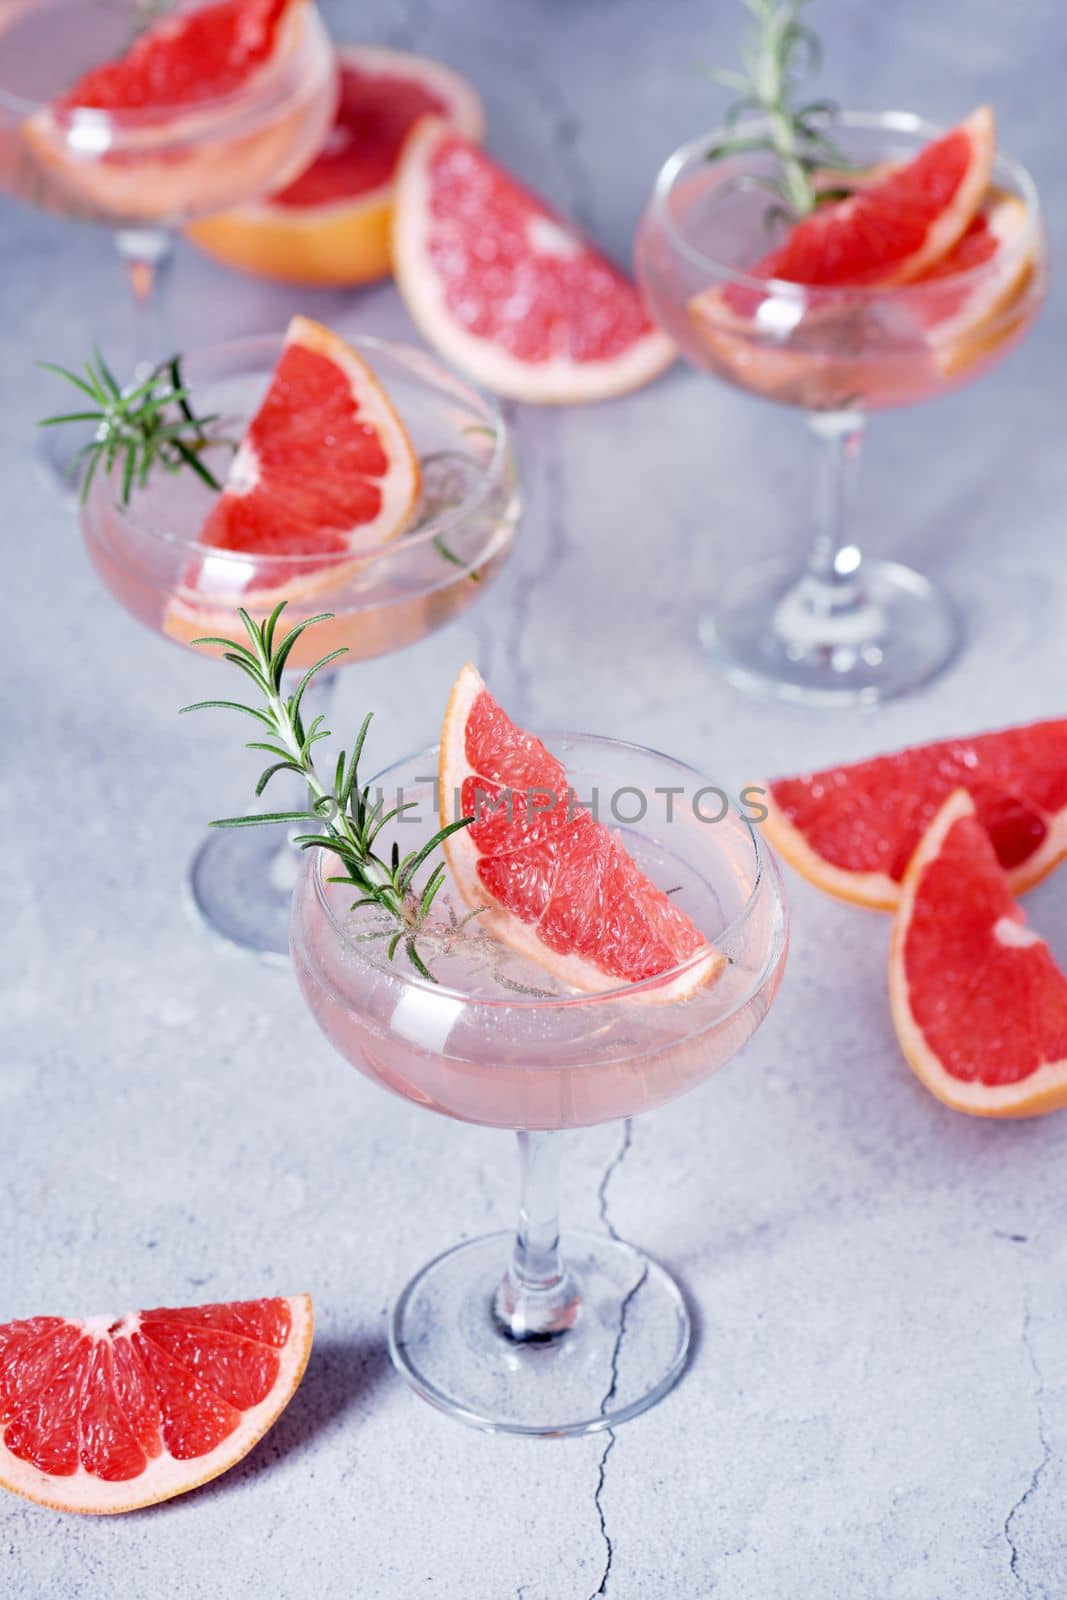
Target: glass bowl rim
238,104
407,976
489,479
783,288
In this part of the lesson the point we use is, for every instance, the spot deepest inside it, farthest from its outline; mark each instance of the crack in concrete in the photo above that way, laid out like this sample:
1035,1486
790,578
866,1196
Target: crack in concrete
609,1547
602,1466
1035,1476
609,1172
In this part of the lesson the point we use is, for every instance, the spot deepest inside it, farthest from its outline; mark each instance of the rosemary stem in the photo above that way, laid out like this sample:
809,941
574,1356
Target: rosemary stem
376,872
797,186
777,56
342,817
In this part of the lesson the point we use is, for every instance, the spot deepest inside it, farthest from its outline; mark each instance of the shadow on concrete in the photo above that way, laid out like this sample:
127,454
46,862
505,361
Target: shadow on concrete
341,1376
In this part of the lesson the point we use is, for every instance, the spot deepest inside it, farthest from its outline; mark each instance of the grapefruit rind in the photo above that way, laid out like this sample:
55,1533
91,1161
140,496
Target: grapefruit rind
165,1476
556,381
1043,1091
463,856
953,222
985,319
346,241
185,620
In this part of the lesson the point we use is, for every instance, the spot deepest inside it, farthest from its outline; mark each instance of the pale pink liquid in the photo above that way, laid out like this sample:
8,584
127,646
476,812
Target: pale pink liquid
483,1048
146,557
824,352
155,167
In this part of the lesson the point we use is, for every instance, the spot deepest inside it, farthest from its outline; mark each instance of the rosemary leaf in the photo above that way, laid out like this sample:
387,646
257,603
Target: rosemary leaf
146,427
780,52
344,819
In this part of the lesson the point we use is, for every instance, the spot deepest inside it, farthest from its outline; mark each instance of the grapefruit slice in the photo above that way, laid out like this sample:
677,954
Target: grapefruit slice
325,469
899,221
106,1414
331,226
852,829
178,70
968,319
978,1003
559,886
506,289
893,229
193,56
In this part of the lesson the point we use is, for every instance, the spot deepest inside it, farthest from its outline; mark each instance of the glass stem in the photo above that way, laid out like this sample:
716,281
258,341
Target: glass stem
834,562
828,613
146,255
537,1298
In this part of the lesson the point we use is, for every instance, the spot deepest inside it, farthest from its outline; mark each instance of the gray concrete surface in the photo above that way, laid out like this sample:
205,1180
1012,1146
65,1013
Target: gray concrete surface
877,1406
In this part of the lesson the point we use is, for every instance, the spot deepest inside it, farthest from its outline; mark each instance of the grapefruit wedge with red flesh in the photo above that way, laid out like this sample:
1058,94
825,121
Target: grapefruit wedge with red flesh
193,56
559,886
852,829
891,229
174,71
325,471
968,318
106,1414
331,225
508,290
978,1003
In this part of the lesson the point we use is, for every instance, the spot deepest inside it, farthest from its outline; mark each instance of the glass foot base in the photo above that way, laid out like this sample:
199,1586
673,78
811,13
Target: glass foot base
241,881
771,635
624,1352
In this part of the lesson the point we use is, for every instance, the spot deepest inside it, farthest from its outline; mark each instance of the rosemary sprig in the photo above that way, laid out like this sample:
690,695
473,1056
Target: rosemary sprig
345,819
779,53
142,426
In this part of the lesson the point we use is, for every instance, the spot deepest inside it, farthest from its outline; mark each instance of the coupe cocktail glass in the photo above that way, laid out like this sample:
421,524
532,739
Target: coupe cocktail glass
145,172
842,628
578,1333
395,594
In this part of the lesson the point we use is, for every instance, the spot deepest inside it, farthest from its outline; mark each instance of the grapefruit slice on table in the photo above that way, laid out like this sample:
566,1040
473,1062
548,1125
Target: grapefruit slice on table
560,887
178,65
325,470
508,290
979,1005
105,1414
331,226
852,829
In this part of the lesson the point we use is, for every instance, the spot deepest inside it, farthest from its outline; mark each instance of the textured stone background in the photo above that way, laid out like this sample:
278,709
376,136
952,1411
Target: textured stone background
878,1402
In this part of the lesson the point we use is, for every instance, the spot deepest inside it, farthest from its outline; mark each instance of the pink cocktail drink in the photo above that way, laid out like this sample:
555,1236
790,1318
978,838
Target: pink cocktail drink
146,168
159,164
151,558
500,1041
843,629
827,349
497,1040
378,599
